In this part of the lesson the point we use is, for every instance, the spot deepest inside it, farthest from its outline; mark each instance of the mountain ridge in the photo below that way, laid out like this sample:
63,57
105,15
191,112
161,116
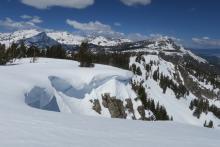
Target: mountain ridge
63,38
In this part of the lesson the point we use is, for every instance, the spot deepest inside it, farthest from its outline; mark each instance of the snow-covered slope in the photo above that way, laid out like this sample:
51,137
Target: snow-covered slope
74,89
103,41
155,72
66,38
34,128
61,85
159,45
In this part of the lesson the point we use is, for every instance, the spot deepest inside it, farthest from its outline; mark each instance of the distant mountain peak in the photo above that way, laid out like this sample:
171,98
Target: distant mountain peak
41,40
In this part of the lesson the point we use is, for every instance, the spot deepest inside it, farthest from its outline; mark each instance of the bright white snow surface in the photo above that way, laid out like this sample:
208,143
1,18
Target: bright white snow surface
36,128
24,126
72,86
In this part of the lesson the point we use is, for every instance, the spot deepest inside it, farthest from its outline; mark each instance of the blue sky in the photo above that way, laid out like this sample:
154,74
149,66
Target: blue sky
195,23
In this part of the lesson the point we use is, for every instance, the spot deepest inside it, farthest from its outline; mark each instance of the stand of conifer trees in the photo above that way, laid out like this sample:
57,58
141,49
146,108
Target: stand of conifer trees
202,106
159,111
17,51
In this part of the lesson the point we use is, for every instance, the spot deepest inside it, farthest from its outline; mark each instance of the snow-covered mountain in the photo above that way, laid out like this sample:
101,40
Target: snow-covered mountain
63,38
40,40
165,81
9,38
104,41
161,45
177,79
62,86
66,38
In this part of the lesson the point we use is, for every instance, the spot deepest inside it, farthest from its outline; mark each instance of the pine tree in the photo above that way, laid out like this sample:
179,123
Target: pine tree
191,106
210,125
138,59
3,55
84,55
21,51
142,95
138,72
134,68
12,53
157,111
205,124
171,118
147,67
197,112
155,75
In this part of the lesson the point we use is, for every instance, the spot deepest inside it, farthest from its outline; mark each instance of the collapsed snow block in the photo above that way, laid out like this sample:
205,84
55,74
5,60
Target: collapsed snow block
115,106
39,98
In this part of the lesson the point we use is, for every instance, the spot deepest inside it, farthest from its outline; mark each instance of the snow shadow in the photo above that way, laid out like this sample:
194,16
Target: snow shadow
66,88
39,98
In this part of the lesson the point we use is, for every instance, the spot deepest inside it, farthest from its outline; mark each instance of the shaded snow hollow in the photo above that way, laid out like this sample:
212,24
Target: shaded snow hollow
38,84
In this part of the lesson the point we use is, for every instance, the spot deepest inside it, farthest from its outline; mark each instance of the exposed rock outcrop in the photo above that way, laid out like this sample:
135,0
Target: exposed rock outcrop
115,106
97,106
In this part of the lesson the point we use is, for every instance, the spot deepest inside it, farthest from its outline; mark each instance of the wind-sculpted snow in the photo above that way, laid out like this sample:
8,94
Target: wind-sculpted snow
61,85
66,88
79,92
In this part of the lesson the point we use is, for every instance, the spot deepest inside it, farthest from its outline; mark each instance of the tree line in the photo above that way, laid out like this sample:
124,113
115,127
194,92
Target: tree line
84,55
18,51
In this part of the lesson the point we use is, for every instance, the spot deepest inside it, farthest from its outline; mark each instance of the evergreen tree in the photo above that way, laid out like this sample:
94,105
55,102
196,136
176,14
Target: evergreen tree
142,95
138,59
155,75
205,124
171,118
21,51
11,52
210,125
197,112
134,68
138,72
84,55
148,68
152,106
3,55
191,106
